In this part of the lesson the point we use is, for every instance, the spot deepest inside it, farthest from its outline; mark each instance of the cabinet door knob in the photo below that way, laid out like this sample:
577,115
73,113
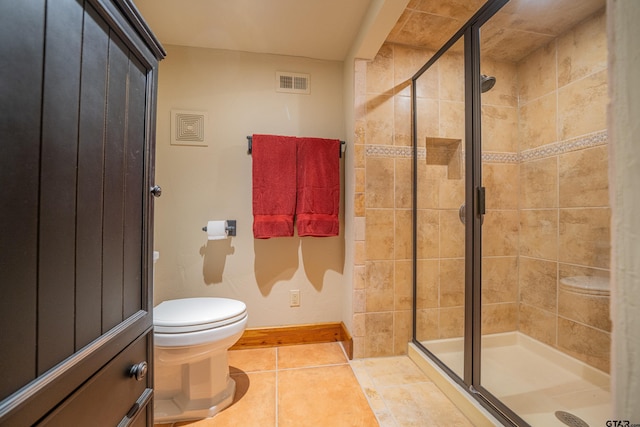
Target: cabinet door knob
138,371
156,190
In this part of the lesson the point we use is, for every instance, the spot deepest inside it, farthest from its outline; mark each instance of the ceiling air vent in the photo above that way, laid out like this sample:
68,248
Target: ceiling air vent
187,127
292,82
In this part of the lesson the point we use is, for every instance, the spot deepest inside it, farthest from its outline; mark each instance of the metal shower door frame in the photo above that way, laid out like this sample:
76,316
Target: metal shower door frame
474,198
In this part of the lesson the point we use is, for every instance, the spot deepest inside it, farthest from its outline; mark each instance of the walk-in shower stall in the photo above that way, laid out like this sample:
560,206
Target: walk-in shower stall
511,211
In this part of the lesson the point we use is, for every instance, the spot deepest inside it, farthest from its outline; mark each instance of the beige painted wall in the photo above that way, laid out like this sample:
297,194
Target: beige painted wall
237,90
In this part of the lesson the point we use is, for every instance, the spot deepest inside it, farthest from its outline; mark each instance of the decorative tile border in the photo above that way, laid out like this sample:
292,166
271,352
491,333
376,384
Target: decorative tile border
585,141
500,157
393,151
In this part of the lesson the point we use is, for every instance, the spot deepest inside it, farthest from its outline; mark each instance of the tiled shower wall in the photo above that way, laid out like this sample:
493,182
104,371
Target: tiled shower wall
383,270
545,169
500,177
564,199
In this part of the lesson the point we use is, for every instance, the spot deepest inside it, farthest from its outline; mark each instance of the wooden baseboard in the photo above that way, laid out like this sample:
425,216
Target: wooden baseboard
298,334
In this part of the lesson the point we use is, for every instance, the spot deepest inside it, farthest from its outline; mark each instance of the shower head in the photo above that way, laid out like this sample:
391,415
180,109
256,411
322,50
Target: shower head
487,82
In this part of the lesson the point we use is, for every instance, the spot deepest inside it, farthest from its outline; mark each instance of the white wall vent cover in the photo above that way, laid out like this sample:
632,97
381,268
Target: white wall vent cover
292,82
188,127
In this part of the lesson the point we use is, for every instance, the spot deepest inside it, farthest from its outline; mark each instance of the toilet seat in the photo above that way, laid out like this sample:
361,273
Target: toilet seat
196,314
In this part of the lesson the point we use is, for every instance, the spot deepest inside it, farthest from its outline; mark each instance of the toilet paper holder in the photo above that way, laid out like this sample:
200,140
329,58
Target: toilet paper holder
230,227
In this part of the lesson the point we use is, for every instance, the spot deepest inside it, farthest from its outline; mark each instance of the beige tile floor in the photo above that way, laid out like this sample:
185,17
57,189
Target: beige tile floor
316,385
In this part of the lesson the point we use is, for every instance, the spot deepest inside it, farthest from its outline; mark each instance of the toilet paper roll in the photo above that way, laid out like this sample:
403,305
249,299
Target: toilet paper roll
216,230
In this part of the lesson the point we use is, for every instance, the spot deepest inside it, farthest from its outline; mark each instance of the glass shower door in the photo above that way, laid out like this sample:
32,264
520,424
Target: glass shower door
511,293
545,329
500,243
439,195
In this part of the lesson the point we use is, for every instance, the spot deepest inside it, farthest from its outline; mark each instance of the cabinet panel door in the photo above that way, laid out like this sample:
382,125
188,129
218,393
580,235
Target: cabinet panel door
57,192
77,122
20,111
91,140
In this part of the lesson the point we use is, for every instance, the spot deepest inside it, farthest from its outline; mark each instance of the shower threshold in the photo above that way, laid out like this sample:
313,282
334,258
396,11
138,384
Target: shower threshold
532,378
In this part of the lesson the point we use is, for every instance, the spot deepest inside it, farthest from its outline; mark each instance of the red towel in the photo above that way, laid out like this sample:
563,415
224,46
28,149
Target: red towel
274,185
318,201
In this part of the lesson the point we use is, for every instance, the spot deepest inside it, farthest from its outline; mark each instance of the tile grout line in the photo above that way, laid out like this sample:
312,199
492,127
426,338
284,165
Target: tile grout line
313,366
344,352
358,376
379,394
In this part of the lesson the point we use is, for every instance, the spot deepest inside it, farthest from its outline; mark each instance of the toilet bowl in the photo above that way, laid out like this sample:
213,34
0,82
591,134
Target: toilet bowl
192,336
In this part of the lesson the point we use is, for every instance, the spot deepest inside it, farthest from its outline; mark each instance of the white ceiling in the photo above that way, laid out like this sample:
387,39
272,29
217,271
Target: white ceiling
321,29
328,29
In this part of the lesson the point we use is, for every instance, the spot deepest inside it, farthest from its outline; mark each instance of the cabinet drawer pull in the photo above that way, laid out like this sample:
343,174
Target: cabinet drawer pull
138,371
135,410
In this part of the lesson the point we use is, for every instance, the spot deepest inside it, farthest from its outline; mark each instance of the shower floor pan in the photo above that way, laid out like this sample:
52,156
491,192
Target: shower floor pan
532,378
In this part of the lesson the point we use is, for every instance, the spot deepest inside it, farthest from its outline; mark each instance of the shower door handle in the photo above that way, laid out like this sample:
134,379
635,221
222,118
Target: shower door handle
482,207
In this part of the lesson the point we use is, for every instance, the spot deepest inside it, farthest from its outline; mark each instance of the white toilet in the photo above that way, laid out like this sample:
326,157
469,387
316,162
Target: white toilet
192,336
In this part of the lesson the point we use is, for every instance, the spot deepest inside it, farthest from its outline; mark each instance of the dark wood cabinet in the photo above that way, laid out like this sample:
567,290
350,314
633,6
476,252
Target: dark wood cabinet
77,138
114,379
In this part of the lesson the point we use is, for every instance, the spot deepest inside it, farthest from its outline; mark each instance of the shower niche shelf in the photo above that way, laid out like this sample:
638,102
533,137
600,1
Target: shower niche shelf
445,152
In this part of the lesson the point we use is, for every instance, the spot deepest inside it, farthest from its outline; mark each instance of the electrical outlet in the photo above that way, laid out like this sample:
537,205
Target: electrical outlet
294,298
